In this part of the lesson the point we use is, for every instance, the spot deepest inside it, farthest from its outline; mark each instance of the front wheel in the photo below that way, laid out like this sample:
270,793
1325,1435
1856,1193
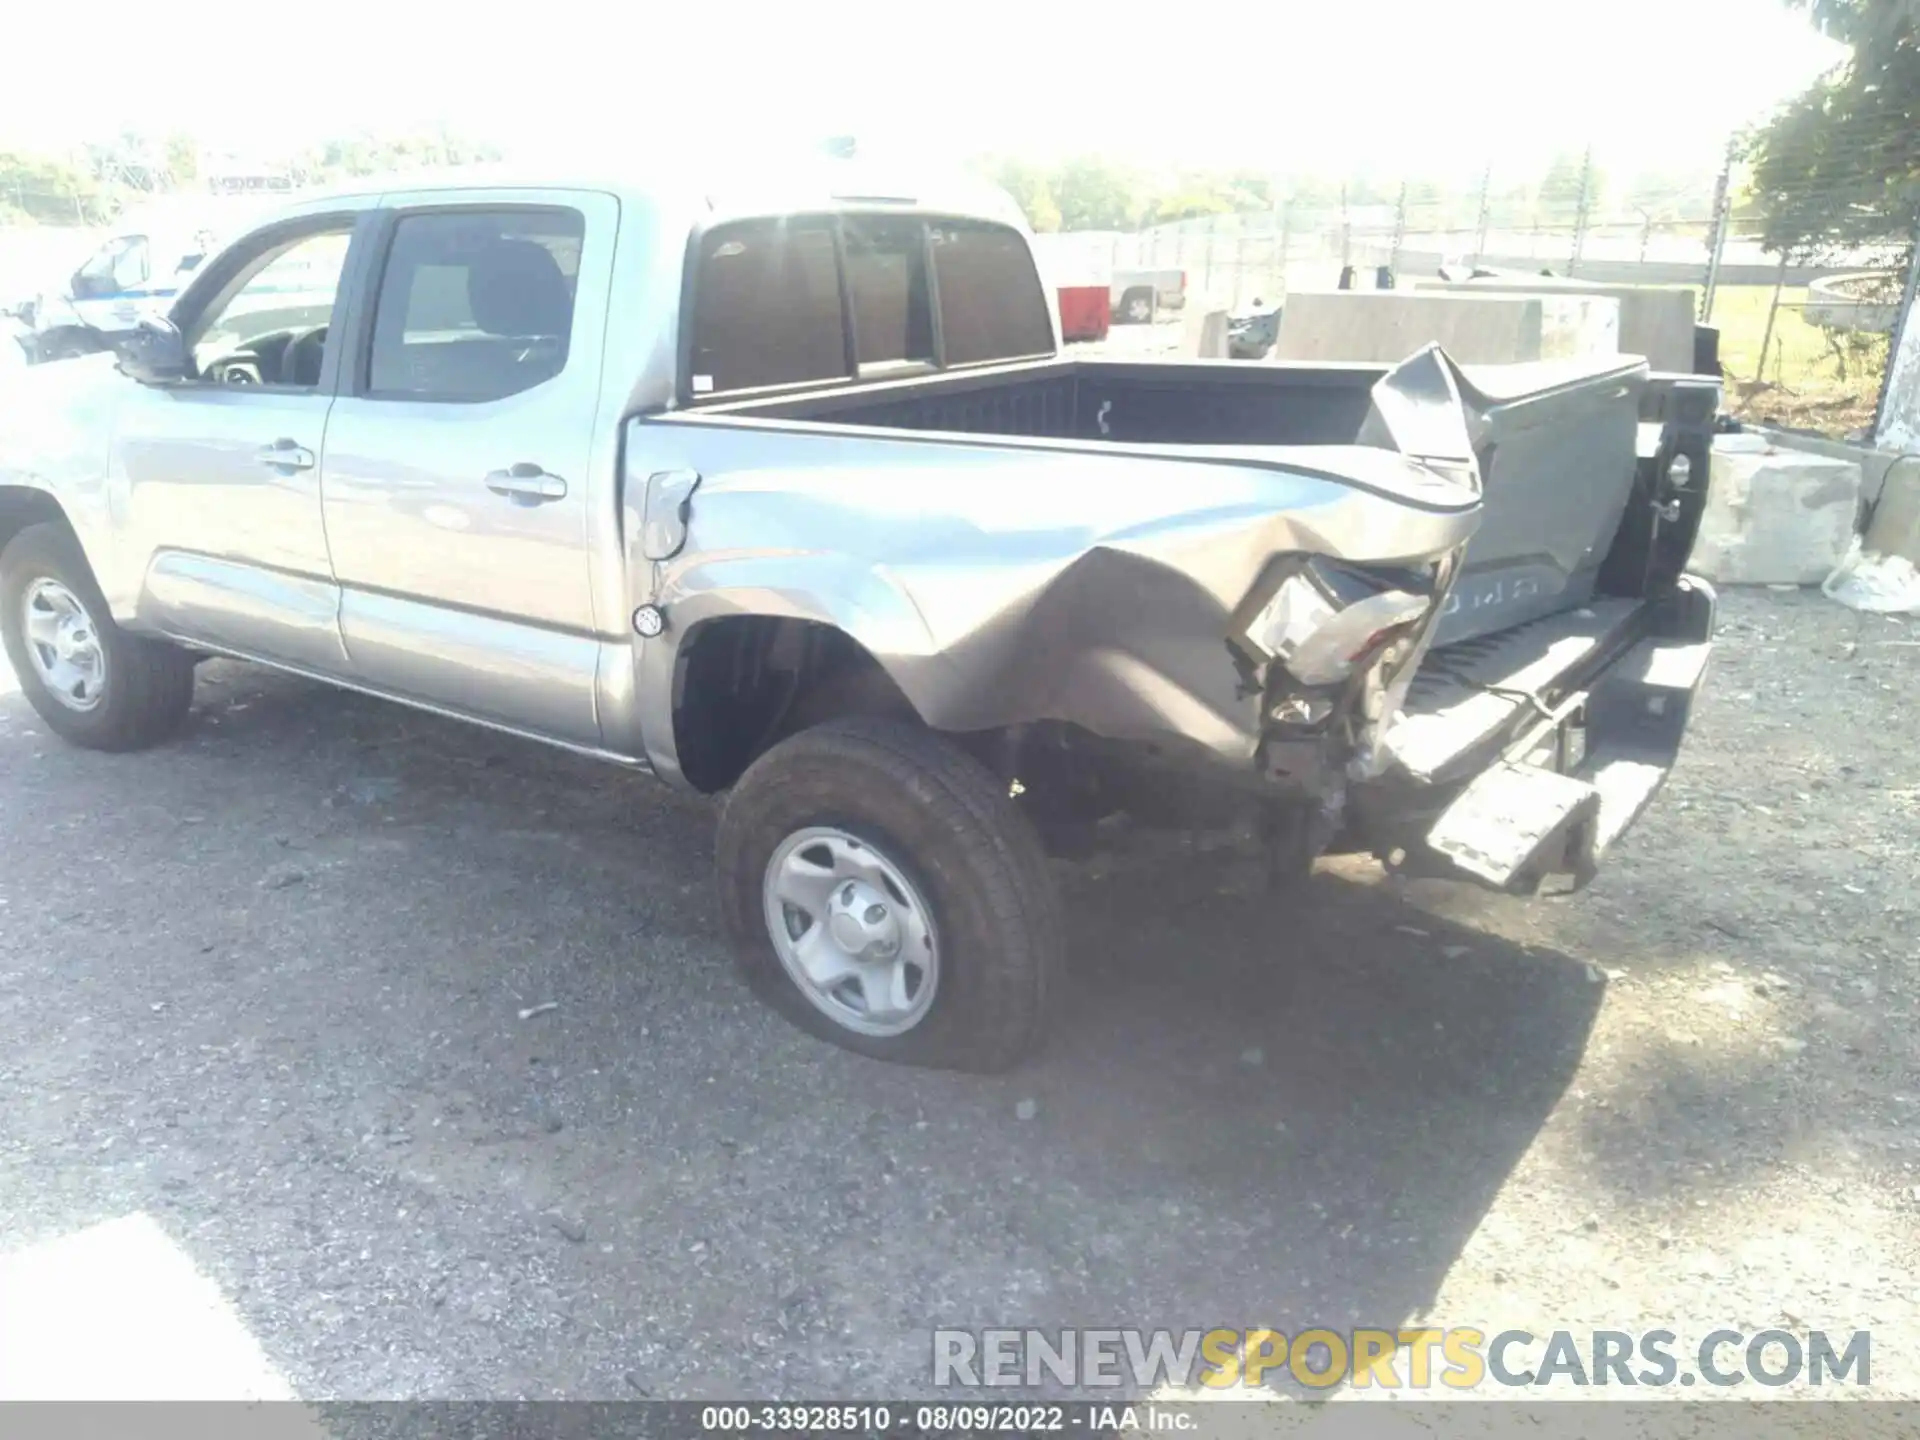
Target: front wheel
94,684
883,892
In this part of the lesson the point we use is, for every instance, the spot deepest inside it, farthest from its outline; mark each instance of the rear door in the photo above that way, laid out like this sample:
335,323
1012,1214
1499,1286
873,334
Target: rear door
455,485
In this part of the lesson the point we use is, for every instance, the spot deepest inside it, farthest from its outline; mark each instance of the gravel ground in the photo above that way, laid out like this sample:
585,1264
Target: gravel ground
265,988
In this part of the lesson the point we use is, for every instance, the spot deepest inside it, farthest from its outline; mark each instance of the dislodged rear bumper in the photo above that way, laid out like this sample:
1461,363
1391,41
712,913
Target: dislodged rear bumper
1569,778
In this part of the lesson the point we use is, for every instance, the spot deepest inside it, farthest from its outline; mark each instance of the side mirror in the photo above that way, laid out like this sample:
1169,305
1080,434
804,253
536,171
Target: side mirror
154,353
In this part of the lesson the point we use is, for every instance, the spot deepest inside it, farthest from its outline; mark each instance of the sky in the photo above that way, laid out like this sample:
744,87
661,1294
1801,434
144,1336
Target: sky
1341,86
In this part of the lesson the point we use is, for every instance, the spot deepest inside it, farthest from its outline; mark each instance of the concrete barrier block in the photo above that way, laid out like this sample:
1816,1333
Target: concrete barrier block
1389,325
1204,334
1895,527
1874,463
1779,518
1655,321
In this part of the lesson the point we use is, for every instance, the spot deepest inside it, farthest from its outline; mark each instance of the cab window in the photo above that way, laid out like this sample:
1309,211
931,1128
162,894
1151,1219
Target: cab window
814,298
116,267
767,306
475,304
270,327
992,304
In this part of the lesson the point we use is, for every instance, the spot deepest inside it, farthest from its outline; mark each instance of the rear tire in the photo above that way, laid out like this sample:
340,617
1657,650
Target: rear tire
1136,307
94,684
933,838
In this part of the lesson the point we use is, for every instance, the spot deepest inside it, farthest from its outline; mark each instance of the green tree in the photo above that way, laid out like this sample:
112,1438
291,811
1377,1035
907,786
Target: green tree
1839,166
183,159
1031,189
1095,194
53,192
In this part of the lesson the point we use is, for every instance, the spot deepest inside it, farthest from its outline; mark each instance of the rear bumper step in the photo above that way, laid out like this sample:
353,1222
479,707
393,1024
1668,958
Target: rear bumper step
1519,821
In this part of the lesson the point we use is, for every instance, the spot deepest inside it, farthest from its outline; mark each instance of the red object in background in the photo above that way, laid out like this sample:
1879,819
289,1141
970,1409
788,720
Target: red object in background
1086,312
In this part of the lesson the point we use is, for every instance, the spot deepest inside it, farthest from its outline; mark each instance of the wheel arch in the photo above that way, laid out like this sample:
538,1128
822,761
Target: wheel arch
24,505
745,682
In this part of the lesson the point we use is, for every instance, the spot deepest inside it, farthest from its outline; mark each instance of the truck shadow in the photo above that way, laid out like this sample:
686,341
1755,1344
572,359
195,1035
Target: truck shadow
1260,1110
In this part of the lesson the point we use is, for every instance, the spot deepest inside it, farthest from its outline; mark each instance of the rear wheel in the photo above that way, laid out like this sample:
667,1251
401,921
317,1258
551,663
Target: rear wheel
1137,306
94,684
883,893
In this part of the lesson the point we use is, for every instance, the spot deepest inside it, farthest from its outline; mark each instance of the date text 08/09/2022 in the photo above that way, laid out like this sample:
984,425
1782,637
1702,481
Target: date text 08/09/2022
1089,1418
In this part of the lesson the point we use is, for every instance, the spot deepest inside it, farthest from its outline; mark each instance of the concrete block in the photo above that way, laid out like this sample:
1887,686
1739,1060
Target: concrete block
1778,518
1204,334
1874,463
1655,321
1895,527
1389,325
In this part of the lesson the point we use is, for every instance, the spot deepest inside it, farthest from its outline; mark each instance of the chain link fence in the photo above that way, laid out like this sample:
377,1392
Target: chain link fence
1804,335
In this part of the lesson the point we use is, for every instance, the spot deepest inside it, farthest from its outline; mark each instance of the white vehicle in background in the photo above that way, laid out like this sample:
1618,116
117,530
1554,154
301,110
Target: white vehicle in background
1135,294
130,273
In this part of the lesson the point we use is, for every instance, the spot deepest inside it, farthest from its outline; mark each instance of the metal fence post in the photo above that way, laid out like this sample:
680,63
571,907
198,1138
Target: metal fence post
1346,232
1284,244
1399,231
1581,211
1206,263
1773,311
1717,236
1486,215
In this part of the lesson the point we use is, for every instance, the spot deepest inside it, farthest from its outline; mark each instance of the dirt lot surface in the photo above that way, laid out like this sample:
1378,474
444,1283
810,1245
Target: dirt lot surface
260,1021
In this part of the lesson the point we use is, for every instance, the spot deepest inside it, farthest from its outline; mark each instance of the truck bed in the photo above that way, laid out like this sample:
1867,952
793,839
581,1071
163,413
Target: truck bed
1559,445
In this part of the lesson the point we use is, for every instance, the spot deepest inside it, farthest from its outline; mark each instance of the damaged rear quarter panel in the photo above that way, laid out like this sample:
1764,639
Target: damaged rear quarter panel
1000,583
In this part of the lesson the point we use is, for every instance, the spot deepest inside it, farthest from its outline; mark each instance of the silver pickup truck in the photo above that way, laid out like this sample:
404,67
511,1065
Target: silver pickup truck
783,489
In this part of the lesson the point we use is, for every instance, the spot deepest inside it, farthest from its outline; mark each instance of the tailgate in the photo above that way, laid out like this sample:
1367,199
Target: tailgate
1557,447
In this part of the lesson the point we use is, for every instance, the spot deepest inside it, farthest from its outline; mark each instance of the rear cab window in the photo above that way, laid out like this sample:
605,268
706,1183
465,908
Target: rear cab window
768,307
813,298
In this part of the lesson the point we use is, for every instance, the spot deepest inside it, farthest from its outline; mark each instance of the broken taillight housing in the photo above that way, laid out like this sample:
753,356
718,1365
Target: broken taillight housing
1322,622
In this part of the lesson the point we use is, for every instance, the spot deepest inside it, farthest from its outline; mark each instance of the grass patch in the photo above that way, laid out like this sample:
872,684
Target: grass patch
1804,382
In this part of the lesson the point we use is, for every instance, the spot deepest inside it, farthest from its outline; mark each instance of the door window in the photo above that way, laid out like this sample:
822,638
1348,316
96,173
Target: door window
270,328
116,267
475,304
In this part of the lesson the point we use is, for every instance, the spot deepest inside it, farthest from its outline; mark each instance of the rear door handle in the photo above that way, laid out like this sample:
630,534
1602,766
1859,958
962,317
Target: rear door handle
284,454
526,484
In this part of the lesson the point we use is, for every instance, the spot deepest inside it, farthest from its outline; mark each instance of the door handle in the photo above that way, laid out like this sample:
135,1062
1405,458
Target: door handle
284,454
526,484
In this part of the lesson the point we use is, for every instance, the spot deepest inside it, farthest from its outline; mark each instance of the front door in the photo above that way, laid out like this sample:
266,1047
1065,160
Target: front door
455,486
220,473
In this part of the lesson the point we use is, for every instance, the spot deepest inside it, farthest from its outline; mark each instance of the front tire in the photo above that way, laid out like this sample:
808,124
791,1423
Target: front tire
883,893
94,684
